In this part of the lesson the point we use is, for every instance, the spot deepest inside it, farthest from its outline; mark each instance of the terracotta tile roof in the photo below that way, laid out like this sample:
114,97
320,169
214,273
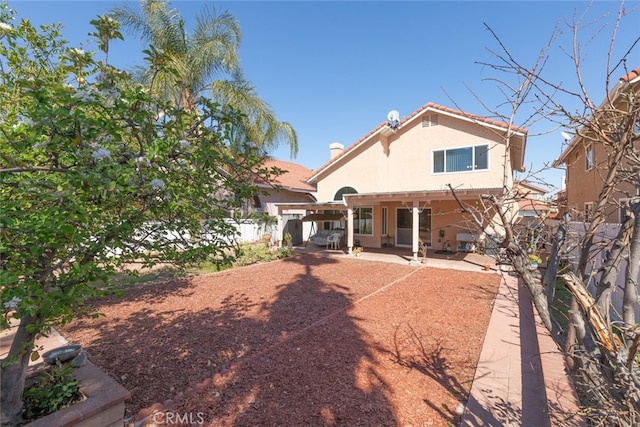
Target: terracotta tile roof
531,186
631,76
427,106
534,205
294,179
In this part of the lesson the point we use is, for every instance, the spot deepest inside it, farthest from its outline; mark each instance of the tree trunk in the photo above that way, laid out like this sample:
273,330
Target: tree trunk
14,372
630,299
553,262
611,270
520,261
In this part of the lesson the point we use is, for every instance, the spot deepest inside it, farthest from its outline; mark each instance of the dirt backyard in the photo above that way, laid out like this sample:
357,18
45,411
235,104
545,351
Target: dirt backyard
308,340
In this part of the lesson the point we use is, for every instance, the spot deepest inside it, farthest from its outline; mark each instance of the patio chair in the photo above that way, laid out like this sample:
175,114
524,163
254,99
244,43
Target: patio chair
333,241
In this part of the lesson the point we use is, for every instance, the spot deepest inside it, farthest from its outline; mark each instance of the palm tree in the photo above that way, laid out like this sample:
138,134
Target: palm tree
205,60
258,122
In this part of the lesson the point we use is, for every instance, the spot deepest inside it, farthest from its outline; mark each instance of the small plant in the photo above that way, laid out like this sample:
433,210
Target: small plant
534,259
287,238
357,250
253,253
283,253
52,391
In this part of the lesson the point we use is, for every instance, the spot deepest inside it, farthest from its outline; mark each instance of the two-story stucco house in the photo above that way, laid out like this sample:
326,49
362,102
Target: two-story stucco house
587,159
396,180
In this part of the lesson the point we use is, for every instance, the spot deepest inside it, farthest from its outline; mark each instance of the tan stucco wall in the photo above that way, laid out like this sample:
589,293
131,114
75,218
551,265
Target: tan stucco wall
445,215
584,186
405,163
283,196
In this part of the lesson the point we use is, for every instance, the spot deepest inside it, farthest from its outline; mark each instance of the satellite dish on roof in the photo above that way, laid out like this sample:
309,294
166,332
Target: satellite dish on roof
392,119
566,136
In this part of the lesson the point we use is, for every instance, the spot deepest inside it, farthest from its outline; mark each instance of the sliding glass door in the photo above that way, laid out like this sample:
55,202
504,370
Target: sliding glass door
404,222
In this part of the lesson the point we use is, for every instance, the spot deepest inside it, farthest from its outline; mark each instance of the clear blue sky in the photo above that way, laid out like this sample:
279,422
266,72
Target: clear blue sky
334,69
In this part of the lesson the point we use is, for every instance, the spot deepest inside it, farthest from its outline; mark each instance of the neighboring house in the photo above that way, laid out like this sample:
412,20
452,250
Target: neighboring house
586,158
291,187
560,201
531,200
397,179
533,210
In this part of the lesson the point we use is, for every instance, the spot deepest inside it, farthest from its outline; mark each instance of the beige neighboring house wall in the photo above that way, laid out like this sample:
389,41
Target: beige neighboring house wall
584,180
289,187
401,189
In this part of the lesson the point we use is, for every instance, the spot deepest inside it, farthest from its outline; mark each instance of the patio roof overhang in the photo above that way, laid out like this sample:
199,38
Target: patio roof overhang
312,206
417,196
352,200
323,217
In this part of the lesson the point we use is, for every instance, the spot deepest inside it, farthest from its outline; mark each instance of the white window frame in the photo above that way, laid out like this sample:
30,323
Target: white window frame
473,159
356,231
385,220
588,157
588,211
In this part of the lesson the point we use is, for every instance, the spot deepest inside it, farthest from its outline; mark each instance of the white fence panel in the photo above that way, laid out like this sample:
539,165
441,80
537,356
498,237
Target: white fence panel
602,244
249,230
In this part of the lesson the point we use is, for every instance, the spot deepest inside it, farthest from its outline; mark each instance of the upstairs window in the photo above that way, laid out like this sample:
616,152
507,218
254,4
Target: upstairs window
588,156
461,159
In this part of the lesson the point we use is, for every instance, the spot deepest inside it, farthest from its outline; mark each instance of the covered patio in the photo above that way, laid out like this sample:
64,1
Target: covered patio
464,261
403,221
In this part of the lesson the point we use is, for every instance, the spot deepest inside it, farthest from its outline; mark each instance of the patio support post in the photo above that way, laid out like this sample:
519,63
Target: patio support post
349,230
280,229
415,231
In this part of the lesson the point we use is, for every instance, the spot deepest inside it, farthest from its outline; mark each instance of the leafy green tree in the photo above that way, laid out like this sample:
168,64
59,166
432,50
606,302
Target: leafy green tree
206,60
97,172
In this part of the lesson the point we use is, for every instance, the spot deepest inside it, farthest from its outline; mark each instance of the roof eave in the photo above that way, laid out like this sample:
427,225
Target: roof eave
612,96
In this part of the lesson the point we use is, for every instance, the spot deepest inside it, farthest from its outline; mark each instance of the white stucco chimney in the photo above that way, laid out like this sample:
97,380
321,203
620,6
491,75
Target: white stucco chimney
336,149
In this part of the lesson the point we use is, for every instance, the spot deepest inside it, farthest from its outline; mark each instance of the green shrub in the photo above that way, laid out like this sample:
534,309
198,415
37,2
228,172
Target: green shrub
52,391
533,258
283,253
258,252
252,253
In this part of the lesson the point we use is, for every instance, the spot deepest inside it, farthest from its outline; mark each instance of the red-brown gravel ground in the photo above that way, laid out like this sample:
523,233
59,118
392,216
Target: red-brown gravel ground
308,340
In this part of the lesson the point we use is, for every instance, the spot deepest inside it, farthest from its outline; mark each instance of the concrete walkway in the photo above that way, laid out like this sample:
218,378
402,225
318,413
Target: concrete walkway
45,343
521,379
